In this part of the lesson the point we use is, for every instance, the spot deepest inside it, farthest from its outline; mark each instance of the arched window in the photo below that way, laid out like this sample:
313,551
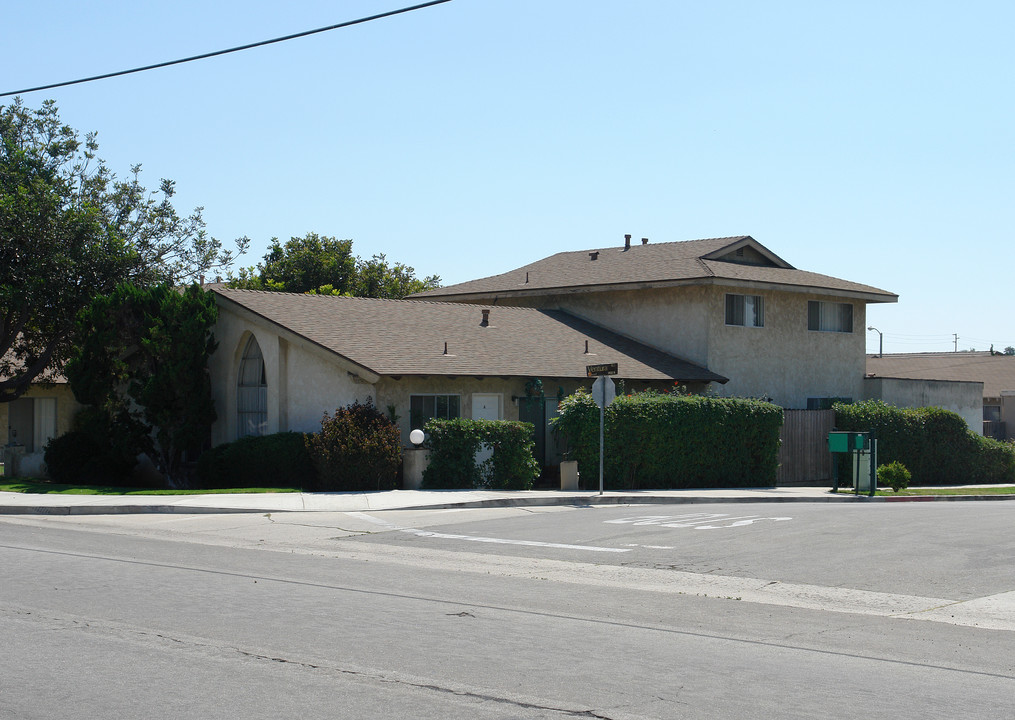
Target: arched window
252,392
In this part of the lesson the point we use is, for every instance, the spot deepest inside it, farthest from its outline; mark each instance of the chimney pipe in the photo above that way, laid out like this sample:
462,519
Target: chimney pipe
644,241
586,347
445,348
486,317
627,242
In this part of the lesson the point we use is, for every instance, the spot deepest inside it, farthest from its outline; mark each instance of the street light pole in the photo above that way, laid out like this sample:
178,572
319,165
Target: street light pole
881,340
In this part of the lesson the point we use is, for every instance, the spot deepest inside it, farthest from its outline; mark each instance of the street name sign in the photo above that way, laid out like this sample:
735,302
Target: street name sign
601,370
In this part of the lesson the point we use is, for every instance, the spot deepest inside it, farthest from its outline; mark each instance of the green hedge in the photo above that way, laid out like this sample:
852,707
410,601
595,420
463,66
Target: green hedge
660,440
279,460
453,445
935,444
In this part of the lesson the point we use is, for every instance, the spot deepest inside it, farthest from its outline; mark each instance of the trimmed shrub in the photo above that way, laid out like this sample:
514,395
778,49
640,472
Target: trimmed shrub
95,452
660,440
935,444
453,445
279,460
75,458
894,475
359,448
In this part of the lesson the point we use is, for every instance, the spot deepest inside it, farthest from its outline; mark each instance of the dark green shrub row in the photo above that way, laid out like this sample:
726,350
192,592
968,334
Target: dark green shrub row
94,452
453,445
659,440
279,460
935,444
359,448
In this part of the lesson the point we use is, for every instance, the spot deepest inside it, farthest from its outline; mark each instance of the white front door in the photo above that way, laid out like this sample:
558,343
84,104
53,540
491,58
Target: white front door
485,407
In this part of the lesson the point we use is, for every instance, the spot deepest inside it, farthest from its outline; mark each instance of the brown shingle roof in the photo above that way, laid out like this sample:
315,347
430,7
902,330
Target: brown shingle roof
407,337
675,262
996,372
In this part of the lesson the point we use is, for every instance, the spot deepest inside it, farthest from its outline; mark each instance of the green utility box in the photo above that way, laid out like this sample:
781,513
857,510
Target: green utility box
863,447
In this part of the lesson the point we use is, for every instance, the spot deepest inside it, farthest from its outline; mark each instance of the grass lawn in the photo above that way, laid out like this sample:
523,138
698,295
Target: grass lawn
1008,490
33,485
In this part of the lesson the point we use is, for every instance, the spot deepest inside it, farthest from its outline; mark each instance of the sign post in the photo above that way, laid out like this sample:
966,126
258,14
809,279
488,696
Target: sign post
603,392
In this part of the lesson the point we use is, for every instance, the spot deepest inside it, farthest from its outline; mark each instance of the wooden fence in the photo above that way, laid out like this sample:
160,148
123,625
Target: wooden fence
803,455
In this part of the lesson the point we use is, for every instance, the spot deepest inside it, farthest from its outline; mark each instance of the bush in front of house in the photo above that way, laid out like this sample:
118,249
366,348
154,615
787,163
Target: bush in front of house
92,453
358,448
453,445
664,440
935,444
277,460
894,475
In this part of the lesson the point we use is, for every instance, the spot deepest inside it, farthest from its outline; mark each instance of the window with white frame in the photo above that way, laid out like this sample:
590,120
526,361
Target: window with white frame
252,393
829,316
436,406
745,310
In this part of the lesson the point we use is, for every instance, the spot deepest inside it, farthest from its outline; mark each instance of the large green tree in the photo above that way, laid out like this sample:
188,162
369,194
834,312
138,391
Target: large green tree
326,265
142,365
71,230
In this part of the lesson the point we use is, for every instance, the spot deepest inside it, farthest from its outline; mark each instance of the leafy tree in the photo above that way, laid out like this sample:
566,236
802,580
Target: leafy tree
143,364
1009,350
70,230
325,265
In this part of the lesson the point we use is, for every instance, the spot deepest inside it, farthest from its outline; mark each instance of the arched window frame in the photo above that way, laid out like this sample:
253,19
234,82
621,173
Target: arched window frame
251,392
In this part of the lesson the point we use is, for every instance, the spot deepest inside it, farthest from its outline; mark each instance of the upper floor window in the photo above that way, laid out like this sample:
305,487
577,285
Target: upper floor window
745,310
829,316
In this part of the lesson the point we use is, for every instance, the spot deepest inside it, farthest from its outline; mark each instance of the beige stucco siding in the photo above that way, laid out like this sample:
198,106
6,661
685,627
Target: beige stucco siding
784,360
66,408
674,320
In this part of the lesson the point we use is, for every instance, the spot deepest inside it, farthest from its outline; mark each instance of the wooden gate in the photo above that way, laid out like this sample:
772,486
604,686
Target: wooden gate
803,455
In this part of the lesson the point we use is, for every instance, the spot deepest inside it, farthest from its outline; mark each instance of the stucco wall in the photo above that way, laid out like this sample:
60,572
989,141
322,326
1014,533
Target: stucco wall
784,360
303,381
964,398
66,408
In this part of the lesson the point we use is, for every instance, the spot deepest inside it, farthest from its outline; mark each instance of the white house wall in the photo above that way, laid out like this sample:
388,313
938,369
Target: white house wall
303,381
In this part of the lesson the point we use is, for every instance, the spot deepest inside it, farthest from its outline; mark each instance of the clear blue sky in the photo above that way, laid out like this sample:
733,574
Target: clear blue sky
872,141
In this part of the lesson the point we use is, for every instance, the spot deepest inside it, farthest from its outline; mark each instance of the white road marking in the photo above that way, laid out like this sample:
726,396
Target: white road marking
478,538
695,520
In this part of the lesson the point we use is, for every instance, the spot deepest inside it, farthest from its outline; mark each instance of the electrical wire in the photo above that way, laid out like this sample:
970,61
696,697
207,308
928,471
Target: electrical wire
203,56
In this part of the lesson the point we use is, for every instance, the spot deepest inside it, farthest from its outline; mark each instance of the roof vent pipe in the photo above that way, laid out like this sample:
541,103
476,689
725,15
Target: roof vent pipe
594,255
644,241
445,348
586,347
627,242
526,278
486,317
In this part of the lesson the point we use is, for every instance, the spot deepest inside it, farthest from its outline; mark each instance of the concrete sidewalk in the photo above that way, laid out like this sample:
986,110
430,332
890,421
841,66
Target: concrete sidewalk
44,504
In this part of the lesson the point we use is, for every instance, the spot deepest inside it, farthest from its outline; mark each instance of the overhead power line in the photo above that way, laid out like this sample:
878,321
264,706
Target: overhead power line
348,23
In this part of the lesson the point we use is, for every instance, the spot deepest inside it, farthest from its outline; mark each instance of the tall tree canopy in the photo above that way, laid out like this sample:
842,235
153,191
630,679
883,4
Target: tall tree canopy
326,265
71,230
142,364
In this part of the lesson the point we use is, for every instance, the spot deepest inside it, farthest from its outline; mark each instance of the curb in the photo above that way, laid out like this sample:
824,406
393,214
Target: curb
546,501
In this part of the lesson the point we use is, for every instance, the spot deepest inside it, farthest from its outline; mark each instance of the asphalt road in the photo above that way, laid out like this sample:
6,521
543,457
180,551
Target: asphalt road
617,612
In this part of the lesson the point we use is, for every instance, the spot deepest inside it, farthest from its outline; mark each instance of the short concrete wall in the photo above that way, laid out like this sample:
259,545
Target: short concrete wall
959,396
